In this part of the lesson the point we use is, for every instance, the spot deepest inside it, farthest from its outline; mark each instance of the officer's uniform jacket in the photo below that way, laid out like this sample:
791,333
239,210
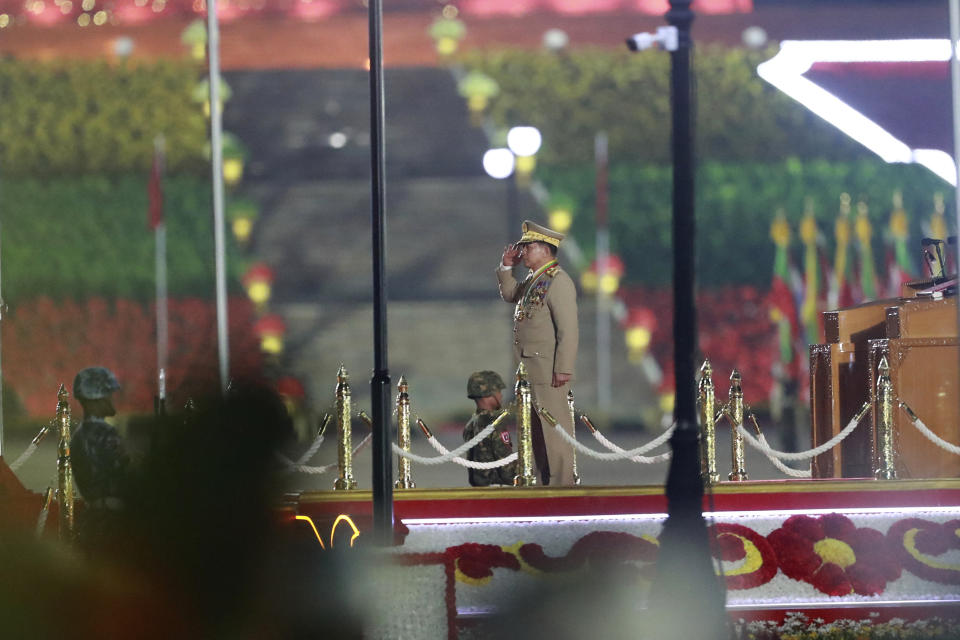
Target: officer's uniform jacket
545,331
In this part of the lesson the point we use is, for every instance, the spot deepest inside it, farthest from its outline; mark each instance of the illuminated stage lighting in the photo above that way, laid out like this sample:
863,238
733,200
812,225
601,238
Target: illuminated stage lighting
786,72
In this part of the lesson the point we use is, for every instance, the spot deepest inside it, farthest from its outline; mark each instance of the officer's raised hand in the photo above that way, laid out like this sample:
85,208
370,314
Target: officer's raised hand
511,255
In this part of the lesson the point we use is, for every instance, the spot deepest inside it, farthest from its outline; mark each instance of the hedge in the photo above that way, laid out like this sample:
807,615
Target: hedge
735,204
572,96
67,117
78,237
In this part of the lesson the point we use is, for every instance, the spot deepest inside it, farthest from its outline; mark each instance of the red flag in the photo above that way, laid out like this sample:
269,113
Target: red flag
155,188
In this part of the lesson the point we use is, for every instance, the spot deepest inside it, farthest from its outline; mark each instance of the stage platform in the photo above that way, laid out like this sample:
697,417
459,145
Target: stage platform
831,549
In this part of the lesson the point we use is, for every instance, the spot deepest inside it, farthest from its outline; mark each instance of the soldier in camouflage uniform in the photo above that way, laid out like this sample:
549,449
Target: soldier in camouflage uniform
100,463
484,388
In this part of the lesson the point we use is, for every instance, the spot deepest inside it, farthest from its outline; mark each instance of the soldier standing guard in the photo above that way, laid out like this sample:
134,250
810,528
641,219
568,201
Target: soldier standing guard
485,388
100,463
545,337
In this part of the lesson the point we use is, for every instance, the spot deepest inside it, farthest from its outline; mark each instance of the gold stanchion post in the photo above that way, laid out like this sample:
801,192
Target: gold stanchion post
738,473
64,468
404,478
886,469
526,476
708,425
345,479
573,421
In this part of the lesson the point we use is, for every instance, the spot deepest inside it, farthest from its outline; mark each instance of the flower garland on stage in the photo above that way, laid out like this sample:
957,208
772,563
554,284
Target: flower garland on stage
830,553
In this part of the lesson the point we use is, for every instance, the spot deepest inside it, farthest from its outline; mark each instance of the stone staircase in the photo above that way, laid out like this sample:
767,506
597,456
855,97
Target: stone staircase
447,223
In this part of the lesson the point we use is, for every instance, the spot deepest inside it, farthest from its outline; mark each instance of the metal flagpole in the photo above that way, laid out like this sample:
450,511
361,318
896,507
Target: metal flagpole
380,383
2,312
160,268
603,257
955,95
216,156
685,581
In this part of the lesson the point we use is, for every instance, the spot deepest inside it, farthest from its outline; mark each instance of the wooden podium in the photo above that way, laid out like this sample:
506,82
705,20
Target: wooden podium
918,336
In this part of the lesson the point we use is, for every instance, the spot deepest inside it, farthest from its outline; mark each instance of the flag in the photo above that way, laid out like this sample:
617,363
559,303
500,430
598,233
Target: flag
868,275
783,310
155,186
899,270
809,308
840,295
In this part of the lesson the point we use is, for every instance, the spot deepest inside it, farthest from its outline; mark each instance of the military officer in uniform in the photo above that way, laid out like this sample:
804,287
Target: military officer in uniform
545,336
485,389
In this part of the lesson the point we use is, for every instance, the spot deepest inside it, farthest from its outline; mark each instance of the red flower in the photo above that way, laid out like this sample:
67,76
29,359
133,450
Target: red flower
917,543
477,561
599,549
737,542
833,555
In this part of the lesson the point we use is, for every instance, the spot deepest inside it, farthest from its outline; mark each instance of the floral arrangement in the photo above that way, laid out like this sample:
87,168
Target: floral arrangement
819,560
46,343
797,626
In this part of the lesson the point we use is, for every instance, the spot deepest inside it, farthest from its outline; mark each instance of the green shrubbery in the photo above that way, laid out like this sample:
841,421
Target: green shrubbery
572,96
68,117
76,237
735,203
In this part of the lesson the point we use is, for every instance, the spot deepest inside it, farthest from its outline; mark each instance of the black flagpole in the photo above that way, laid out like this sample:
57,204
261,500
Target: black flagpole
380,383
685,580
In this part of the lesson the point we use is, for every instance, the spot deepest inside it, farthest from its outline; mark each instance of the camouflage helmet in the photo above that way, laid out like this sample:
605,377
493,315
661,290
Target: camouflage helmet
484,383
94,383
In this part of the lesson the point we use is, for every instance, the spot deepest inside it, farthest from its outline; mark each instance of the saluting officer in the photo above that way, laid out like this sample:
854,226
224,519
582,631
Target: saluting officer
545,337
485,389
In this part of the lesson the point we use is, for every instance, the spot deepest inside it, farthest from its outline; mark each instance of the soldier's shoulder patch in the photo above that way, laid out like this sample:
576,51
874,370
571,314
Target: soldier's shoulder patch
505,436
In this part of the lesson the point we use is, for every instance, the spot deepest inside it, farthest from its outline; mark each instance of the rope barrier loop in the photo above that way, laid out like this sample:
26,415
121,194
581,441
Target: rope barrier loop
927,433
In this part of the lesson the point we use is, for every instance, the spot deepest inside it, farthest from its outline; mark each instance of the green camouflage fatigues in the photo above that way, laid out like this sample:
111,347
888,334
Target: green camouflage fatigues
494,447
99,461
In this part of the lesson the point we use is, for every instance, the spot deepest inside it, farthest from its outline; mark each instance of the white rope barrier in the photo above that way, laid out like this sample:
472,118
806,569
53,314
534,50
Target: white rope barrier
448,456
634,454
801,455
31,448
930,435
312,451
42,517
614,455
302,468
463,462
794,473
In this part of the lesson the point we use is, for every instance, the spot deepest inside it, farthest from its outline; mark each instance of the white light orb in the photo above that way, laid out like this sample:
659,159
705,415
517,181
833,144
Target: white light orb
754,37
123,46
498,163
524,141
555,39
338,140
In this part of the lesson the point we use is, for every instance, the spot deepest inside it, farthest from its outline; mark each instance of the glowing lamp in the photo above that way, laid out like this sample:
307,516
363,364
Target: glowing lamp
524,141
478,88
609,283
667,401
560,220
242,228
270,329
232,170
589,281
498,163
638,332
525,166
257,281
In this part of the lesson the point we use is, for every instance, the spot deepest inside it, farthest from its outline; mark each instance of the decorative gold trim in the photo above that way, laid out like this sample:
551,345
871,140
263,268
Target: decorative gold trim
724,488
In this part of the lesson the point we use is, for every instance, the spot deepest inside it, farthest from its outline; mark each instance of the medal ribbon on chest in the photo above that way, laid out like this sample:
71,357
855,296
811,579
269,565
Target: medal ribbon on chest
536,291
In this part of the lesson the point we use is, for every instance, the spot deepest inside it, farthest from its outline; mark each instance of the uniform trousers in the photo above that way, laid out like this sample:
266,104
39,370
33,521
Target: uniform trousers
559,463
